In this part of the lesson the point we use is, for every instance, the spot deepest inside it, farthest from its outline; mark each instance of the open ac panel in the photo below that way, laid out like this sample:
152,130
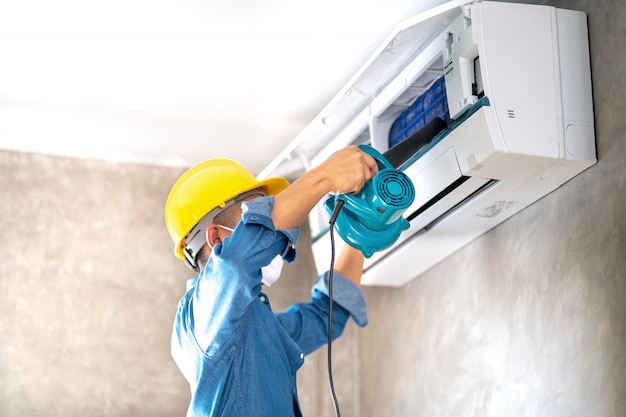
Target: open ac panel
518,89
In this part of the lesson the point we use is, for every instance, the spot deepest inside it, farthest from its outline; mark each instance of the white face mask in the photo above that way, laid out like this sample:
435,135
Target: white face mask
271,272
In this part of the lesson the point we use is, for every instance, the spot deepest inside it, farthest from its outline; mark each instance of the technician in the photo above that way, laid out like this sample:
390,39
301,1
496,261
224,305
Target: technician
239,357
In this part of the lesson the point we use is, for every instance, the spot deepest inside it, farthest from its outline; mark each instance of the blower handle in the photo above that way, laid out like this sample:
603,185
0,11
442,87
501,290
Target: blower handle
381,161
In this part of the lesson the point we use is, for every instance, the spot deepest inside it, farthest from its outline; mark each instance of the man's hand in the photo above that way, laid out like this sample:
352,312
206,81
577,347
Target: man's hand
345,171
348,170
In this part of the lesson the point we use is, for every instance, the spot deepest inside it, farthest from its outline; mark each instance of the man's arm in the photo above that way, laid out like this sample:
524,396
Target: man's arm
349,263
346,171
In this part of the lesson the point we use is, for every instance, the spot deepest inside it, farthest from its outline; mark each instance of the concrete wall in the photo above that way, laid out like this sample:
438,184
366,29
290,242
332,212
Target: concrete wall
530,319
88,289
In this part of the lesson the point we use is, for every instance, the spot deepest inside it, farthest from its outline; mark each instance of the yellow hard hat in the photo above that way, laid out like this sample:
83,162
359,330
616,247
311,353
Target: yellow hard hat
206,186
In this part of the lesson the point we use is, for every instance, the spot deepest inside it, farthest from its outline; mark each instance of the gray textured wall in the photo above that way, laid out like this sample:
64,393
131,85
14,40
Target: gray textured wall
530,319
88,289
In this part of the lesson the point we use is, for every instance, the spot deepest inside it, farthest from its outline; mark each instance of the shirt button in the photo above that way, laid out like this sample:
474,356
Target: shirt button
262,299
302,356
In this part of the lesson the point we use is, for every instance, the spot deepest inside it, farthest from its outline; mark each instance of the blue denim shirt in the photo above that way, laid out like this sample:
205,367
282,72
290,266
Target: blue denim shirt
239,357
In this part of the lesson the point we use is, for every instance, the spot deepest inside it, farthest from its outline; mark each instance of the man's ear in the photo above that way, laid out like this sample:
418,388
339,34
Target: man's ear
212,236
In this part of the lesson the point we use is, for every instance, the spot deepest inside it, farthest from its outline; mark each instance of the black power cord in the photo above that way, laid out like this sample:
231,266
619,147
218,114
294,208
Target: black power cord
338,205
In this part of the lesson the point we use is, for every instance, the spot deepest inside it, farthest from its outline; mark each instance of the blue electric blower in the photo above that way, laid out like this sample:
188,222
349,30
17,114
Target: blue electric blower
372,219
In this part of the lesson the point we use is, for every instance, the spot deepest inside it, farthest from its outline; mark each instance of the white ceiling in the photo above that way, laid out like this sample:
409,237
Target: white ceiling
173,82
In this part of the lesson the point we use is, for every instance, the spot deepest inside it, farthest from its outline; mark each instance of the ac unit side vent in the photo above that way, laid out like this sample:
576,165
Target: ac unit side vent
456,184
452,209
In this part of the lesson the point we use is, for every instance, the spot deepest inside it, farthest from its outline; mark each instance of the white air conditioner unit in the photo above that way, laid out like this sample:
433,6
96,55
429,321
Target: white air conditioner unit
519,86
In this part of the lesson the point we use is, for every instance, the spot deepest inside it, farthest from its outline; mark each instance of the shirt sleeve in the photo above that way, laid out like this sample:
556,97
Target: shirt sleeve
258,212
307,323
231,280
